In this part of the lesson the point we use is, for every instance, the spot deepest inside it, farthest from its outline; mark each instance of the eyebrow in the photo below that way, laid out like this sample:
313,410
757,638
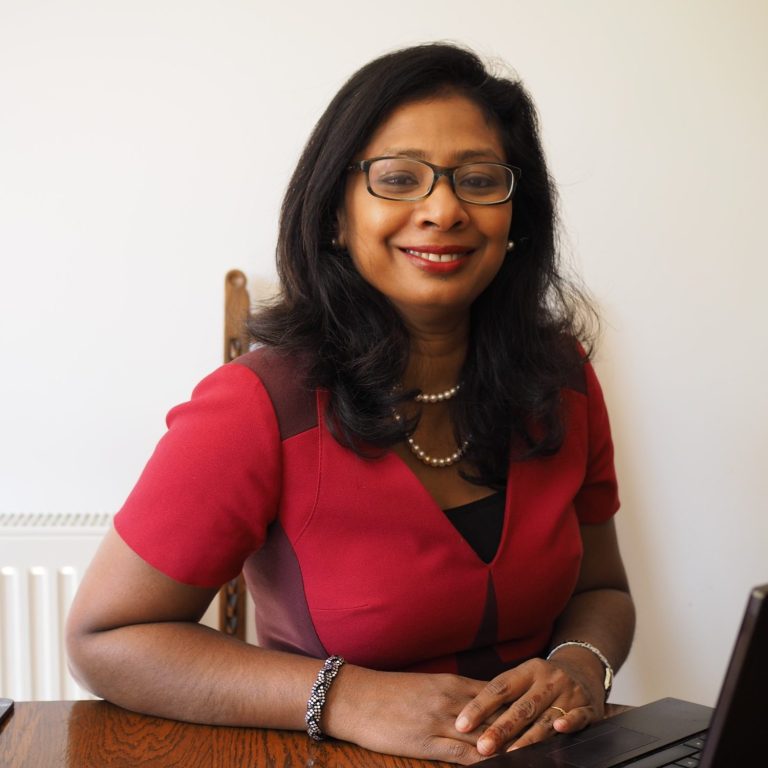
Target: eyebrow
465,156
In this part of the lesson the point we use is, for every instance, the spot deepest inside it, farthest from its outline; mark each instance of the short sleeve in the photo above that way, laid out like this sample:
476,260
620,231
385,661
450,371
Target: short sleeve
598,498
212,485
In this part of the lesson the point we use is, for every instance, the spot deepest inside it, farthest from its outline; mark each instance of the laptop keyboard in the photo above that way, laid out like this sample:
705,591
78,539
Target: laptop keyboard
685,755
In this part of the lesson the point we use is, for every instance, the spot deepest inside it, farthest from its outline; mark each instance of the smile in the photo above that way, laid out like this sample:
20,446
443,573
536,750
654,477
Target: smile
436,257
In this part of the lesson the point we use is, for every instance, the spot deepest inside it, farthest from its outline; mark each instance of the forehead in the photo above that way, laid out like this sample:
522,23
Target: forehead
443,128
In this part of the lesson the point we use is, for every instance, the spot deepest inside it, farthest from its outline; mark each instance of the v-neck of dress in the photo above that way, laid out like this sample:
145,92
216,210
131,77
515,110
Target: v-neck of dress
480,522
435,508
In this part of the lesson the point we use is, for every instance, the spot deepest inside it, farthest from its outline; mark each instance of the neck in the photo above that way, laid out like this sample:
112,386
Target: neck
437,355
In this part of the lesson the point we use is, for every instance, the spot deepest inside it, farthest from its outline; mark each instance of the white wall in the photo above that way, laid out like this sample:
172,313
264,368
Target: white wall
144,147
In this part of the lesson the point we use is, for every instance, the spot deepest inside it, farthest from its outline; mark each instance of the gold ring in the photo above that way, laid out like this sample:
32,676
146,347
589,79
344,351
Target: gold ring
562,712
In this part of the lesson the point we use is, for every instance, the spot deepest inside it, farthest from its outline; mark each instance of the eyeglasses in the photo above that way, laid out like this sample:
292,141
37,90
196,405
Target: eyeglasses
403,178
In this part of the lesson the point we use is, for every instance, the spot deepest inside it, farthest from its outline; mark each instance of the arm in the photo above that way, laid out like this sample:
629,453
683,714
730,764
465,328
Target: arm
133,637
600,612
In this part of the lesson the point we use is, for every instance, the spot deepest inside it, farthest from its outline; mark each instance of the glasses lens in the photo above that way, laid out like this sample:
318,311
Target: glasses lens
399,178
483,182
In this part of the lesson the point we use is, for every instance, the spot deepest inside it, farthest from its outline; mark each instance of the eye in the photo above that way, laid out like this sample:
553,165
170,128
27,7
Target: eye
479,181
396,180
398,177
483,180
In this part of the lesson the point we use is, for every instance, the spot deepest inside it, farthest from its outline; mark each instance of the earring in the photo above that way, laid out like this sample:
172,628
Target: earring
510,246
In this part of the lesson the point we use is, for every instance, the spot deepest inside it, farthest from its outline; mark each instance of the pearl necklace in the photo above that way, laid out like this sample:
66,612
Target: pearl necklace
438,397
432,461
435,461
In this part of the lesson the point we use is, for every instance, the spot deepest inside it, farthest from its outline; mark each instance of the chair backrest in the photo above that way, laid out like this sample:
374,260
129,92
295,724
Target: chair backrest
237,306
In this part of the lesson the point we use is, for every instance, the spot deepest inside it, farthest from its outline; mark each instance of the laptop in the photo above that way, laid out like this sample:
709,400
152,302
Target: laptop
672,732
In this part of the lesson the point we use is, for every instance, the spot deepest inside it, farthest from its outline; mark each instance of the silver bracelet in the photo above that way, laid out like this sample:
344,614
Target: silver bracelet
608,679
318,694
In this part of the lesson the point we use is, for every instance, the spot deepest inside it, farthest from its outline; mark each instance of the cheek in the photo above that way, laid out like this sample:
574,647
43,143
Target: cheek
374,223
493,221
364,246
368,217
361,258
503,225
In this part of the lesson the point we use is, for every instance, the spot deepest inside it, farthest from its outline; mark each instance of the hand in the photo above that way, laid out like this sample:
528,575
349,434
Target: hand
530,696
405,713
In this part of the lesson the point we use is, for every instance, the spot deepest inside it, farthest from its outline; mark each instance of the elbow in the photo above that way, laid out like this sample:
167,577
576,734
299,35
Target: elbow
81,653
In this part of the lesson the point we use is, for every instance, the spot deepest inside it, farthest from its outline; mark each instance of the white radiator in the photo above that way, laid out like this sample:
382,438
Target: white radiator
42,559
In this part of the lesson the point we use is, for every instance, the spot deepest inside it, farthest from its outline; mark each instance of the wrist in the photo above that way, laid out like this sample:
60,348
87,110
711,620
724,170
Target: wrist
590,660
346,704
319,695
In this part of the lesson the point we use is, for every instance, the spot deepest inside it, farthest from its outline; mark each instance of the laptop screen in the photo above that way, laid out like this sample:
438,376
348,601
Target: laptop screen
740,713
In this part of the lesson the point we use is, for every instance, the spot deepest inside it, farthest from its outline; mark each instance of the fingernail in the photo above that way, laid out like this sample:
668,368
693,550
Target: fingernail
485,745
462,723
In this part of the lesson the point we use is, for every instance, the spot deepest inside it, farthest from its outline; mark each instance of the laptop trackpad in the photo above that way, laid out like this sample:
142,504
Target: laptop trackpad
606,741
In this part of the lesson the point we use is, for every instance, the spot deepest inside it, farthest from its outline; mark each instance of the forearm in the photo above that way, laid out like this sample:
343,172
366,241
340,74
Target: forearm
190,672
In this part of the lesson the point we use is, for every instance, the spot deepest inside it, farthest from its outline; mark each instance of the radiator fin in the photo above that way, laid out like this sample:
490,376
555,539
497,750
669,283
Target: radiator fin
11,626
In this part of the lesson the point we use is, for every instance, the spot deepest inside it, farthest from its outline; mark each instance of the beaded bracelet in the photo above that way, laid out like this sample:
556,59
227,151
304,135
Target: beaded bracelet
608,677
318,694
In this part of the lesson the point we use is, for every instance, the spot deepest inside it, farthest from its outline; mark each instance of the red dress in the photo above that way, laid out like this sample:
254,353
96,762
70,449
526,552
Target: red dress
352,556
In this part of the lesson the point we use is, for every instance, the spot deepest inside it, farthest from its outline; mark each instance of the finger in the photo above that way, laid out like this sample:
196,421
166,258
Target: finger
552,722
576,719
470,737
506,687
450,750
542,728
517,718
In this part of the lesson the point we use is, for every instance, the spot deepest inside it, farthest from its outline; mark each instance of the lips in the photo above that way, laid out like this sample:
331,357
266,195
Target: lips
438,254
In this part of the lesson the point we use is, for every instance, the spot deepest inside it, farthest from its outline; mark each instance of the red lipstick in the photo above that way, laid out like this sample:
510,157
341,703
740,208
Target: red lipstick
437,259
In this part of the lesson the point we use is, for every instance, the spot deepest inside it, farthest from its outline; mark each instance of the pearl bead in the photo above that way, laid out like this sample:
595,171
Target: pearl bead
423,456
438,397
437,462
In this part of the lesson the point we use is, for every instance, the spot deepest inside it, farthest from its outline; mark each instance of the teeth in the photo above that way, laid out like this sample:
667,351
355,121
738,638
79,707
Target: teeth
439,257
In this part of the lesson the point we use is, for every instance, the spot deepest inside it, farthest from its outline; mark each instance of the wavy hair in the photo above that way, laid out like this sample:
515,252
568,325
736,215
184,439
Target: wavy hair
524,326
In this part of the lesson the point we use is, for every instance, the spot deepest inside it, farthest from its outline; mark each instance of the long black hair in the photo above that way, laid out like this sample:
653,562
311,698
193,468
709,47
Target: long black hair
524,326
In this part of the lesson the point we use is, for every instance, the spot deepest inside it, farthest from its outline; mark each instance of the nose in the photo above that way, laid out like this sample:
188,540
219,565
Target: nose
442,209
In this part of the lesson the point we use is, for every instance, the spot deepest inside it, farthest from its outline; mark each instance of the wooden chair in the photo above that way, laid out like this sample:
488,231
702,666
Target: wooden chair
237,306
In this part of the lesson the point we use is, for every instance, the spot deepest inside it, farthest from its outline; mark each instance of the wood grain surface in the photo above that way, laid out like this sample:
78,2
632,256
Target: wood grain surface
95,734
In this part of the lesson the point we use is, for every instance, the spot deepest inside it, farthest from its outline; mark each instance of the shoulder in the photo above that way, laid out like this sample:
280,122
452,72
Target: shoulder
273,367
285,381
261,388
583,395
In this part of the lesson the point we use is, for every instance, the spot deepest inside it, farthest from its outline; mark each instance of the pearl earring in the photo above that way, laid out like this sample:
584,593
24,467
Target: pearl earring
510,246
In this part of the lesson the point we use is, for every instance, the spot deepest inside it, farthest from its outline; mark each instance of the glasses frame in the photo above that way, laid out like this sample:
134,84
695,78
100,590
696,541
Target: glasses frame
437,172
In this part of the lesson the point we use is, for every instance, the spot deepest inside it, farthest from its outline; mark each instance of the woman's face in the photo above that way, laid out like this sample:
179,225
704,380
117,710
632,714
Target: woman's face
394,244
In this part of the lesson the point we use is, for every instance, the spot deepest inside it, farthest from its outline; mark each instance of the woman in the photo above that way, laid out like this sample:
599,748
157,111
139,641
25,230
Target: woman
414,468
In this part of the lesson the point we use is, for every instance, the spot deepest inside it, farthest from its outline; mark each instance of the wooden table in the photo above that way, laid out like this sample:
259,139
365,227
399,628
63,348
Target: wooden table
94,734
